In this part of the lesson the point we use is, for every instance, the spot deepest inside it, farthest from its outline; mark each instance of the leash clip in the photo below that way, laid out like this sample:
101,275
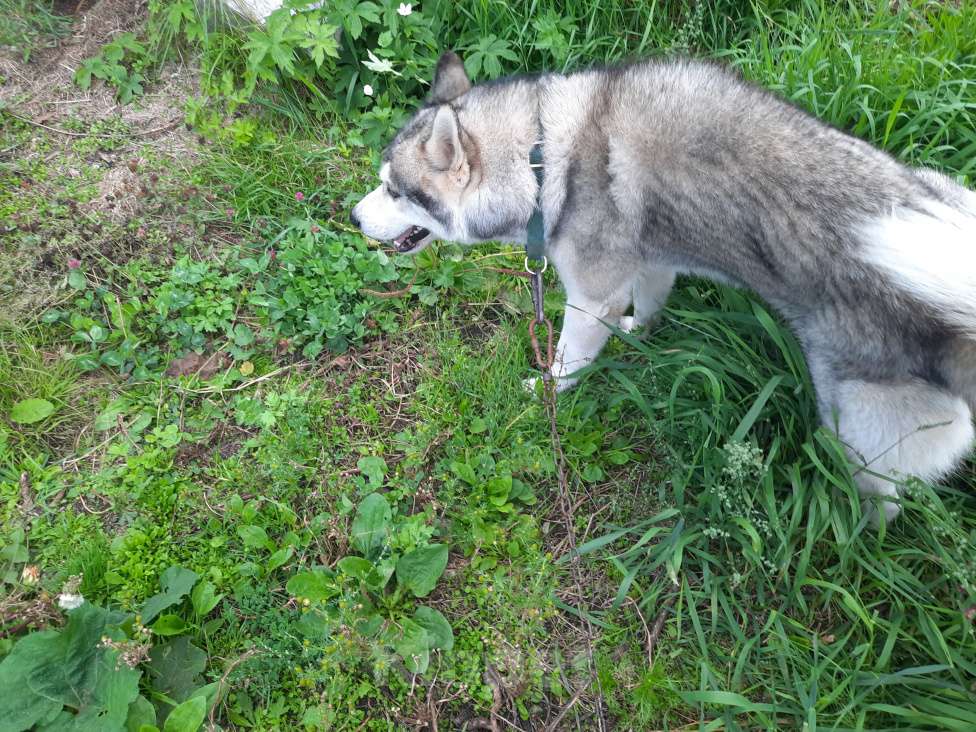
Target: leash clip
545,266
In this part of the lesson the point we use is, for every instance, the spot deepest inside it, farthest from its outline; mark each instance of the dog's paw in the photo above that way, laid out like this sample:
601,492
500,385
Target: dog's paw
631,324
874,508
627,324
535,384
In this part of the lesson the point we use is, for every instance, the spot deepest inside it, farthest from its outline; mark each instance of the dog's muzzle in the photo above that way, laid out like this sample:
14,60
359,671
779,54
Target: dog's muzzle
409,239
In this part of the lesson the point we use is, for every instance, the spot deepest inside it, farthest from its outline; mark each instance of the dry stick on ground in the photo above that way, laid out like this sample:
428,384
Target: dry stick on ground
168,126
491,722
26,495
392,293
565,710
223,679
649,645
657,628
246,384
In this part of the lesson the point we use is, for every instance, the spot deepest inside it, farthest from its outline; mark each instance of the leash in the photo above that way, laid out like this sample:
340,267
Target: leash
535,265
535,251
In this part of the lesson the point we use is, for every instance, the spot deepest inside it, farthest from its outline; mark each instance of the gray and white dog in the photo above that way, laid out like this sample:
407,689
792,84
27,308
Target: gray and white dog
666,167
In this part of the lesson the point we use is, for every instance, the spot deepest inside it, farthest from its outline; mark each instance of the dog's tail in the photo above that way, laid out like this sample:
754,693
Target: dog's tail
930,251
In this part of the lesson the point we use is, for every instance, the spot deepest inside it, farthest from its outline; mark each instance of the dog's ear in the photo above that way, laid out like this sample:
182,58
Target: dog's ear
443,147
450,79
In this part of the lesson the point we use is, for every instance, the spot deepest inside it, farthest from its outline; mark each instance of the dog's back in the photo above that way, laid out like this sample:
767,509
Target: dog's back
873,262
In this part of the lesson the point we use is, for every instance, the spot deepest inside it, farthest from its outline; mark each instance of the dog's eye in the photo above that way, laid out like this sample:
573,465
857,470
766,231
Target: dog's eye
392,193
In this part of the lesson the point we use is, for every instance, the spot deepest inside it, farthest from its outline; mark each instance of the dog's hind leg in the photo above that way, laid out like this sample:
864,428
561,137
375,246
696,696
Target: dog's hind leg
959,367
893,431
650,291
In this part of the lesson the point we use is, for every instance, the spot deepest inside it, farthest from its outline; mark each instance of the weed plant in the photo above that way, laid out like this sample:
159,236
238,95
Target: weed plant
348,523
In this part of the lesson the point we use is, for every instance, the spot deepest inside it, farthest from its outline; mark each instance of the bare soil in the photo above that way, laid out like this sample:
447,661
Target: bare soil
111,165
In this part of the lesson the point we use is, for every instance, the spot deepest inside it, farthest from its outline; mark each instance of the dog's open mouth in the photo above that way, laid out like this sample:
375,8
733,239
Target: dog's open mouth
410,239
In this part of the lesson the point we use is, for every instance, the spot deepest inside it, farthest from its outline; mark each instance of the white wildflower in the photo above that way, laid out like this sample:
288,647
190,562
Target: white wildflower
405,9
70,600
70,597
380,66
368,90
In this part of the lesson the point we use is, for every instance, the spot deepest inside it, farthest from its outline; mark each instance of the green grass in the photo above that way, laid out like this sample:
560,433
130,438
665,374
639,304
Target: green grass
32,369
709,497
31,24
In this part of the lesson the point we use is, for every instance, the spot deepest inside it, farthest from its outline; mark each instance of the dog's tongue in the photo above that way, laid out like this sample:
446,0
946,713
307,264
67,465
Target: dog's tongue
409,239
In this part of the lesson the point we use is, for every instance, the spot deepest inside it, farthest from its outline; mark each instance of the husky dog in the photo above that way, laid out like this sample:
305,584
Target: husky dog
665,167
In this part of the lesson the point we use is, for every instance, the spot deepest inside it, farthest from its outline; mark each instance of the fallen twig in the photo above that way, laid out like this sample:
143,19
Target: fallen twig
657,628
169,125
223,679
392,293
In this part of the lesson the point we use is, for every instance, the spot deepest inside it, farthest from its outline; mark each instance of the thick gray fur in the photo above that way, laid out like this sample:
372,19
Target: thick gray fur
680,166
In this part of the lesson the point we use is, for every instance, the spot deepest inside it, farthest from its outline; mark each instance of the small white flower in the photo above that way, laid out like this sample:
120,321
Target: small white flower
382,66
368,90
405,9
69,600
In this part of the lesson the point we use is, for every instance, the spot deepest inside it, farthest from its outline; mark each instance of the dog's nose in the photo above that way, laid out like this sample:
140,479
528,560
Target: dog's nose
354,218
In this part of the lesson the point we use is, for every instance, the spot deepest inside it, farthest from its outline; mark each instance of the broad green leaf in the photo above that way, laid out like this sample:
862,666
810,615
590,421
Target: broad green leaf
355,567
174,669
28,411
47,670
279,558
169,624
381,573
204,598
314,585
253,537
116,686
374,468
187,717
419,569
413,645
20,706
437,627
465,472
141,714
478,425
371,524
113,359
176,583
243,336
498,489
77,280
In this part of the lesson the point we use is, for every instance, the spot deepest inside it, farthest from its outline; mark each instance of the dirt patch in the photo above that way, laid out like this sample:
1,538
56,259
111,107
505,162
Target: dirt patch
88,178
43,89
118,193
224,440
71,7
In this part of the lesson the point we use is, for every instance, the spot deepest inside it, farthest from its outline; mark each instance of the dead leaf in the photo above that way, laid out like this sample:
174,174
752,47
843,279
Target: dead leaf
196,364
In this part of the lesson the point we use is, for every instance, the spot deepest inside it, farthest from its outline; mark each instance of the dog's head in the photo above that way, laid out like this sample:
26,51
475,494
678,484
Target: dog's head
426,172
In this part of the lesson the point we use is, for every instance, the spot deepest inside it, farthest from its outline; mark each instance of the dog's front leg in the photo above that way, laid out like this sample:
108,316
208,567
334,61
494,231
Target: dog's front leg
583,336
598,293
